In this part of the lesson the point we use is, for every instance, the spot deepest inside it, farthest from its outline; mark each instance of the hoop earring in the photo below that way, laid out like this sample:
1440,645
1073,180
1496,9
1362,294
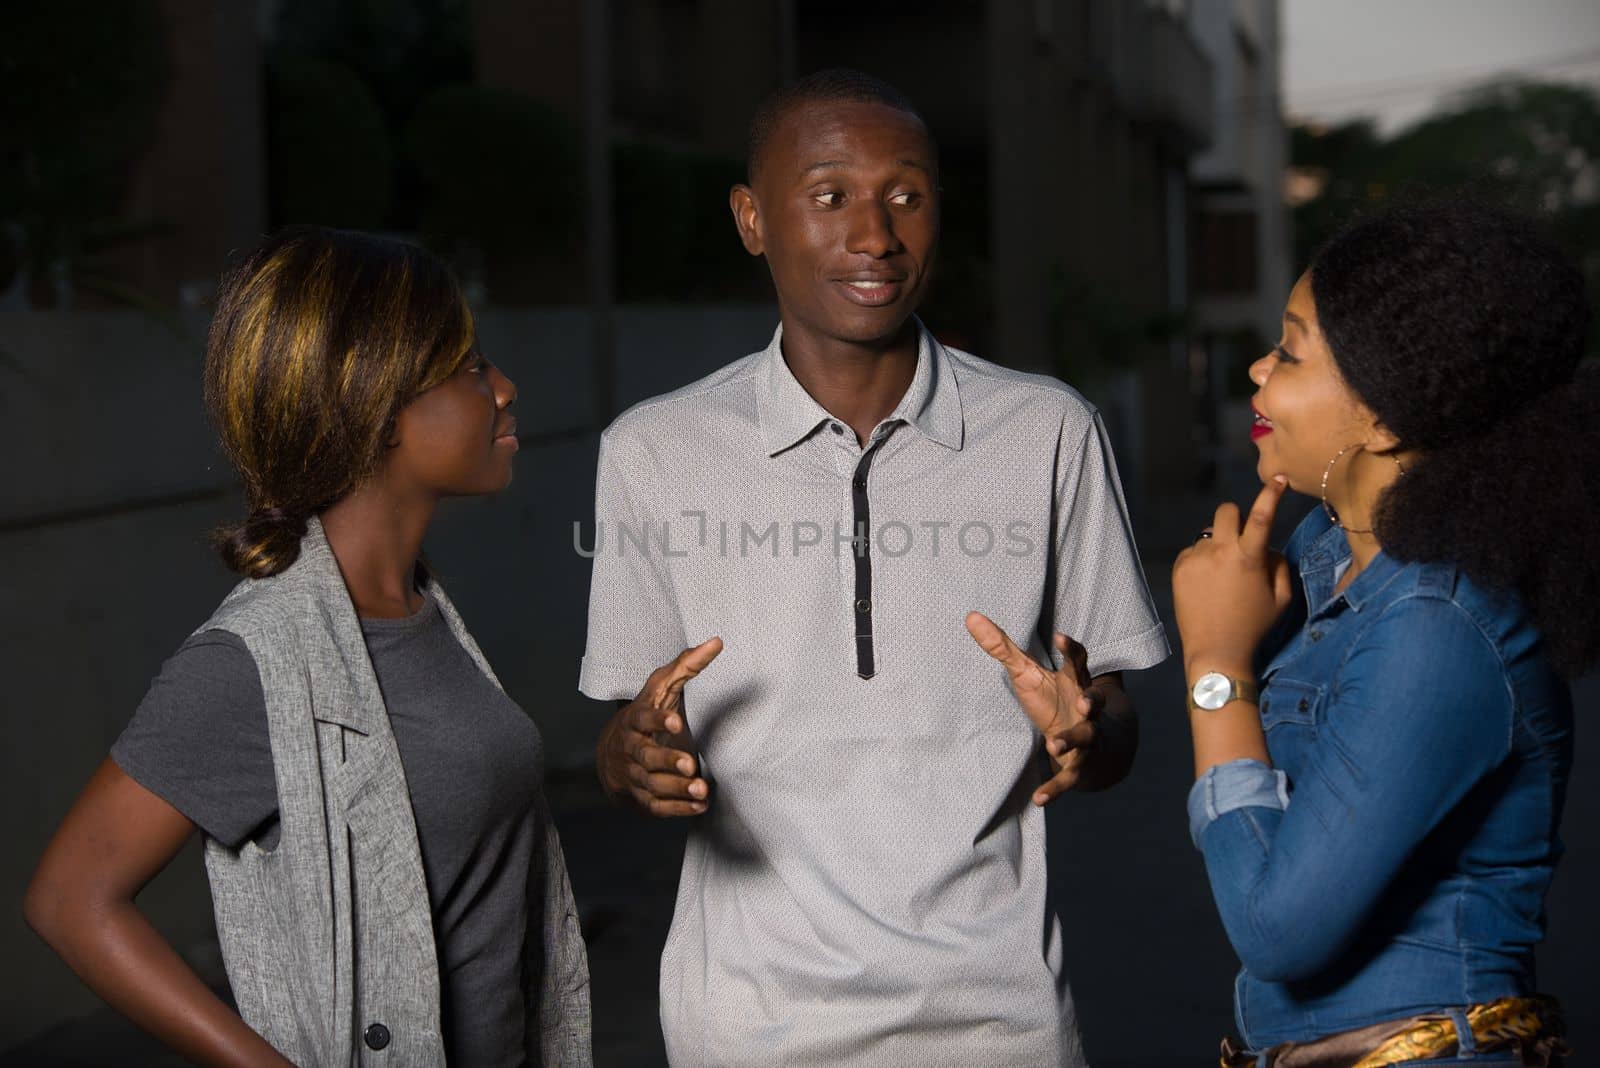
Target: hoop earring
1333,516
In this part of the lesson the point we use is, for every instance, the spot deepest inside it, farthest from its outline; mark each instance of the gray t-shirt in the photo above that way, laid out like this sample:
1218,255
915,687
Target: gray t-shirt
473,762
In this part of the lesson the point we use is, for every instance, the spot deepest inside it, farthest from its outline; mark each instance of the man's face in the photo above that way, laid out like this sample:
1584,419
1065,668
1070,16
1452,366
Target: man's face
845,207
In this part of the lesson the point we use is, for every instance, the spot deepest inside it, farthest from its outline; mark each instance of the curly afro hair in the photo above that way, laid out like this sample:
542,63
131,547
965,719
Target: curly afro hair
1463,330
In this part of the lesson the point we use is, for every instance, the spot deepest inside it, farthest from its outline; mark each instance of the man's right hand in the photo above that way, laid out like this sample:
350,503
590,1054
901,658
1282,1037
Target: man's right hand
645,754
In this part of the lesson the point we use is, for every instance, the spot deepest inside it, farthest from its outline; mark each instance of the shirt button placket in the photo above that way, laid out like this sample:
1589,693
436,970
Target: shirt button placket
861,606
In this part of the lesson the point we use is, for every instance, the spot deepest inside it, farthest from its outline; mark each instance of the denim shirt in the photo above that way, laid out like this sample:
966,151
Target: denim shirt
1395,858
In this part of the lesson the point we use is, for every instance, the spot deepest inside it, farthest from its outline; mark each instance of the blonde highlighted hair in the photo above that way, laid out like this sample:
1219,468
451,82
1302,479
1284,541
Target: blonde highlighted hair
320,338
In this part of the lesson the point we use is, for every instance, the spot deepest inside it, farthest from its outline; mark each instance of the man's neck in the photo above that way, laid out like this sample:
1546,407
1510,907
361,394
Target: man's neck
859,384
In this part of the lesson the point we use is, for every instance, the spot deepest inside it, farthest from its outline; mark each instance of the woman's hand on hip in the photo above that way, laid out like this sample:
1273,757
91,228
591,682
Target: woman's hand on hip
116,837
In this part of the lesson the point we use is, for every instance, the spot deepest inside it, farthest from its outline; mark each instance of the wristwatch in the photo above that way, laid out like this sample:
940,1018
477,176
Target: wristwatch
1214,689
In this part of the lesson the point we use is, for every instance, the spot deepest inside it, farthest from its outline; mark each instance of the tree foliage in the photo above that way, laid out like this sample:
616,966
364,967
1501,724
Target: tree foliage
1531,146
347,77
500,170
329,159
81,89
675,237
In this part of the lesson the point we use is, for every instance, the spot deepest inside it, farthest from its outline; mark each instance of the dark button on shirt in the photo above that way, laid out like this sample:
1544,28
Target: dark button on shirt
376,1036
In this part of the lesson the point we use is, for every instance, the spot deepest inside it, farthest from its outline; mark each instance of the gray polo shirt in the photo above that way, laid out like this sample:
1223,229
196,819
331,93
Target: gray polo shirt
868,887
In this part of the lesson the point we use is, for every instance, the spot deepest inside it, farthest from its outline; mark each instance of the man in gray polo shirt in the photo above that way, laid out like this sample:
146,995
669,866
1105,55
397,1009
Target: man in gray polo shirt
865,876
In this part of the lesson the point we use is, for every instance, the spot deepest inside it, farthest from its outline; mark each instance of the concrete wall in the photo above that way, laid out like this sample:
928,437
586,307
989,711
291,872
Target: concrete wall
112,481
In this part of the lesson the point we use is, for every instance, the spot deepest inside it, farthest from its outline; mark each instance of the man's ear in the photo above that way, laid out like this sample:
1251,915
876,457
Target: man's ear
747,217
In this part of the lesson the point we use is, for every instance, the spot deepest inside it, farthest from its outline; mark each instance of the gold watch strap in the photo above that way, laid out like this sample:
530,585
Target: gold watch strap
1243,690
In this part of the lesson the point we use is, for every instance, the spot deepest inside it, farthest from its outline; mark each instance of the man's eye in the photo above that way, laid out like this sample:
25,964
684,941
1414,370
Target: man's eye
829,199
906,200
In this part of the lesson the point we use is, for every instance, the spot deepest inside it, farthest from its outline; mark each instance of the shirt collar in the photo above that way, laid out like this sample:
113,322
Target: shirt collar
1320,561
787,414
1367,585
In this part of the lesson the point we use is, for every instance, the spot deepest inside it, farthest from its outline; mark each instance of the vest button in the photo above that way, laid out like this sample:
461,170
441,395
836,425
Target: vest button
376,1036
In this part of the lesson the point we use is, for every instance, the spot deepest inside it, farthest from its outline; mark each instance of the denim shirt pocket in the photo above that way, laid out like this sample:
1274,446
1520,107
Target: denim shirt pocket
1289,701
1290,710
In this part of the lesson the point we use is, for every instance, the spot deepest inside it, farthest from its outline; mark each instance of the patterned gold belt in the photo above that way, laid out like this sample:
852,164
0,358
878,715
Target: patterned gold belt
1533,1026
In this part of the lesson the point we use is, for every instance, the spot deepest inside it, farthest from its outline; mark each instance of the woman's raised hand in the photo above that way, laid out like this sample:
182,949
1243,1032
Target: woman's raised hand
1229,588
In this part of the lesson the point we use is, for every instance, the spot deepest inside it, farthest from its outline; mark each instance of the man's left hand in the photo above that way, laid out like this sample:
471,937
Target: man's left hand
1064,705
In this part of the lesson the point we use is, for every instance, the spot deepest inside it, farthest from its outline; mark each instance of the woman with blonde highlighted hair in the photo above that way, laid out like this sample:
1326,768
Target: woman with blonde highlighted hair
387,882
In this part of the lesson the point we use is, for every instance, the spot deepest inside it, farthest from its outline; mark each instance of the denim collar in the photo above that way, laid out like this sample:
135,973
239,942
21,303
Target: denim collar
1326,547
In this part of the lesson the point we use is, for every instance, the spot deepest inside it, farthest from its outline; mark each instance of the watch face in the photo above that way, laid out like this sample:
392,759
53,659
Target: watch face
1212,690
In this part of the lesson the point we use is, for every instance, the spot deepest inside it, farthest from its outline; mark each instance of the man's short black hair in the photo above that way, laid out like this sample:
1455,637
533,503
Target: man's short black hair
833,85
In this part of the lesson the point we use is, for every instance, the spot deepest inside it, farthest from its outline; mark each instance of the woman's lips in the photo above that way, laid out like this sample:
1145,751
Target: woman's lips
1261,427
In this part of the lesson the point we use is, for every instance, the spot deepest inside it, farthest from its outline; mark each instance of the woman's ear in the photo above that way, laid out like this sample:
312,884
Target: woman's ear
1382,440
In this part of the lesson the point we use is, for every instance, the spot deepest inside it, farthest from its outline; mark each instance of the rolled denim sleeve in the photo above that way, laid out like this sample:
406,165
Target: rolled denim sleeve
1419,713
1234,785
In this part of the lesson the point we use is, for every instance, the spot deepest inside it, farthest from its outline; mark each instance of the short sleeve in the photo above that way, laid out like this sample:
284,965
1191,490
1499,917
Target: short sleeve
634,626
199,740
1100,599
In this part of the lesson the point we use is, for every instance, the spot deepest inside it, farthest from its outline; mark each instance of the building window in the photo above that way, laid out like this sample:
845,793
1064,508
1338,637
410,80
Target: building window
1223,253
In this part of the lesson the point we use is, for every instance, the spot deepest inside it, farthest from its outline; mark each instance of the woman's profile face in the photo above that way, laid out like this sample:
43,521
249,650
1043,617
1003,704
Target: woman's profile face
458,438
1304,411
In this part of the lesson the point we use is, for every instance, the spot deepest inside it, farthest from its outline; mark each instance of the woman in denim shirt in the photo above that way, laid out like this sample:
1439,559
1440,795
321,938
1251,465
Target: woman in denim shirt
1382,729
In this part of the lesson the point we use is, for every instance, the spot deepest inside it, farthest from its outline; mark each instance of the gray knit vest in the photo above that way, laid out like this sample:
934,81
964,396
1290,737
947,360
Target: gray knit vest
331,932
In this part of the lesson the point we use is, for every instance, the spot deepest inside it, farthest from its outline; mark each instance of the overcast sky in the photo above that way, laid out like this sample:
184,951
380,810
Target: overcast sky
1398,59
